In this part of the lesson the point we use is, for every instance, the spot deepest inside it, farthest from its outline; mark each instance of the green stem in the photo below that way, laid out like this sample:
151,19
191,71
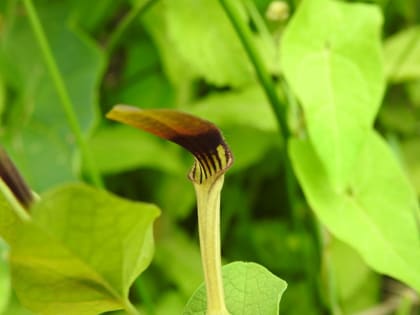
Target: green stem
125,23
62,91
267,83
278,108
263,75
258,20
208,208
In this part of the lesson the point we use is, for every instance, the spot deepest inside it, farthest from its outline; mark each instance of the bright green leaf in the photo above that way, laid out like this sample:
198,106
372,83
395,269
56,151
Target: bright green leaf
331,56
248,107
402,55
175,67
377,212
82,251
358,289
249,289
203,35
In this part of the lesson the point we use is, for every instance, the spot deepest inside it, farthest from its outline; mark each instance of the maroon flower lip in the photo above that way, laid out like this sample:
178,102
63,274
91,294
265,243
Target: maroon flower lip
201,137
12,178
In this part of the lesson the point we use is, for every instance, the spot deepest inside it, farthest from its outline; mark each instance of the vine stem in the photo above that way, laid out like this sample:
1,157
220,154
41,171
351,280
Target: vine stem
278,108
62,92
263,75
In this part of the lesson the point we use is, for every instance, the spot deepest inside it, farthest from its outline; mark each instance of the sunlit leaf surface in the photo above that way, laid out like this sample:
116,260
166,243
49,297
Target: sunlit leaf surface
82,251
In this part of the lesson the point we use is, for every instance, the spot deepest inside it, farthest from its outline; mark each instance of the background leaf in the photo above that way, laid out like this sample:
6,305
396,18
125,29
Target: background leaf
82,252
36,132
402,55
203,35
352,276
249,289
121,148
331,56
378,199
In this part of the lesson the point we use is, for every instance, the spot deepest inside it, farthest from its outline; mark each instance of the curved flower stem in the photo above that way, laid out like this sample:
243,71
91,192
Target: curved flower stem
208,206
62,92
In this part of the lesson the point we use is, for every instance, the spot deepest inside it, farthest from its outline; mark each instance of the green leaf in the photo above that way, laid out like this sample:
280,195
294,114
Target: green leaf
121,148
176,195
176,69
248,107
249,289
402,55
184,269
260,141
37,136
331,56
142,81
359,289
202,34
377,212
90,16
82,251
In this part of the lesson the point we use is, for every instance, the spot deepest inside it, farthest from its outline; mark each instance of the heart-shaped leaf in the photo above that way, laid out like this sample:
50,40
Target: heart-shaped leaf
331,55
378,214
250,289
81,252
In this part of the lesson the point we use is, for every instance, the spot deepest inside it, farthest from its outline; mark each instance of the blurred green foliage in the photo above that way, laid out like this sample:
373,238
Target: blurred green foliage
184,54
